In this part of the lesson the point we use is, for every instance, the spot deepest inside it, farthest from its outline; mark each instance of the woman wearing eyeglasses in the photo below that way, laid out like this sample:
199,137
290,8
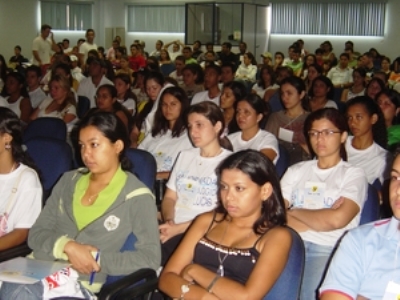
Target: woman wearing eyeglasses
324,196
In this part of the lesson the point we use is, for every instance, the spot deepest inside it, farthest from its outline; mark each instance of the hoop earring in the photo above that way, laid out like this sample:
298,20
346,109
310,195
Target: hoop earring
7,146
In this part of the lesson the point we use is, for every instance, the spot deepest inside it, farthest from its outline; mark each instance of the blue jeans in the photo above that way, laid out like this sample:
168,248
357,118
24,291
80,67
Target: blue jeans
16,291
317,257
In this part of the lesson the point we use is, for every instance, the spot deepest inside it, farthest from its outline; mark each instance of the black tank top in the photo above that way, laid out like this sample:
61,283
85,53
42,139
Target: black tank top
238,265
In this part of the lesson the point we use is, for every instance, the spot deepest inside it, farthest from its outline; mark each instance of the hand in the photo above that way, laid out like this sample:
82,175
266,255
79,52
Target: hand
80,257
338,203
185,273
168,230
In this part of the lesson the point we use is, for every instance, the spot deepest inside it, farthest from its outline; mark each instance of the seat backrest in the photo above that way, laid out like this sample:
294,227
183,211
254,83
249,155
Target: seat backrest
83,106
288,284
52,157
144,166
167,69
283,161
371,209
46,127
275,102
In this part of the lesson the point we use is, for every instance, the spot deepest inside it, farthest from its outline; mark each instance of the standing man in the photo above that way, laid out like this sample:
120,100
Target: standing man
42,47
87,46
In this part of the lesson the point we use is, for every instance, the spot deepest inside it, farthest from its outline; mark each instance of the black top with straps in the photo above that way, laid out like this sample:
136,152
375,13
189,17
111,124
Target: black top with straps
238,264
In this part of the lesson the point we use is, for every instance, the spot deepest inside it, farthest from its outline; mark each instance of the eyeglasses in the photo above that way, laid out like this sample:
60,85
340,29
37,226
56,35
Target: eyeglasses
324,133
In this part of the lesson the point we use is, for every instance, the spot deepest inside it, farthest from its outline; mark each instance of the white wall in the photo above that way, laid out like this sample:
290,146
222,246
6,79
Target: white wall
20,23
387,45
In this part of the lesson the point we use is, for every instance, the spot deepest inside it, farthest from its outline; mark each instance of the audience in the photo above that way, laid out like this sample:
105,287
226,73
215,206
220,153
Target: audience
169,135
232,92
251,113
325,196
224,253
367,147
21,190
193,190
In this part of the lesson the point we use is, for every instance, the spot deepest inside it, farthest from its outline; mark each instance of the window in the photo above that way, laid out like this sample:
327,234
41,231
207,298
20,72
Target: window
66,15
354,19
156,18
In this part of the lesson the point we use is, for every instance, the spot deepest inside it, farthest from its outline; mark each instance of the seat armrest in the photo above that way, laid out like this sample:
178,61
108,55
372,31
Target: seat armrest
20,250
139,283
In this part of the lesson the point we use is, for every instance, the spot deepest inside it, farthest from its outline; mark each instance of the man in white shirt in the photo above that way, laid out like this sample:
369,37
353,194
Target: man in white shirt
42,47
87,46
66,48
88,86
341,75
212,75
33,77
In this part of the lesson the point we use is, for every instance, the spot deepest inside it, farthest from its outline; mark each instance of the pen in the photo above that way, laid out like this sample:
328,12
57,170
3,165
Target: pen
93,273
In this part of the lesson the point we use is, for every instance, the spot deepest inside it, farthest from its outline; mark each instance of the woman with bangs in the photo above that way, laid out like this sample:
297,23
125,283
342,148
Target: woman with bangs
266,81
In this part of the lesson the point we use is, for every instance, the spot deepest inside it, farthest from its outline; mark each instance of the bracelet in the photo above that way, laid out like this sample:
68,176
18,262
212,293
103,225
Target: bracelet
213,282
185,288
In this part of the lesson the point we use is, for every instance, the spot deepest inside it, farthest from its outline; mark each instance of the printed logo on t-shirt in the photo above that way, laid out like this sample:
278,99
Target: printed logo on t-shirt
196,190
312,196
111,223
3,224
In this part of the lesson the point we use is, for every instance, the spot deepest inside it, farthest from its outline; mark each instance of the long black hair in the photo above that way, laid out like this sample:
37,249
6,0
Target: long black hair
11,124
379,132
112,128
260,170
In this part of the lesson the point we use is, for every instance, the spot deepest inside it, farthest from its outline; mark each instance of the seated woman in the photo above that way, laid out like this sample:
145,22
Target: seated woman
125,68
106,100
313,71
61,104
224,254
374,87
18,210
251,112
287,124
193,190
367,147
309,60
358,88
231,93
125,96
17,96
96,209
164,58
266,82
193,77
321,93
248,69
169,136
365,265
324,196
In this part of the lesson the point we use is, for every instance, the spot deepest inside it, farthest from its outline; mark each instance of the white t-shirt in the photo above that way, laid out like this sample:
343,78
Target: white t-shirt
88,89
43,47
203,96
165,148
3,102
37,96
331,103
179,79
307,186
194,180
85,48
340,76
261,92
25,206
373,160
262,140
246,72
129,104
174,55
16,106
69,109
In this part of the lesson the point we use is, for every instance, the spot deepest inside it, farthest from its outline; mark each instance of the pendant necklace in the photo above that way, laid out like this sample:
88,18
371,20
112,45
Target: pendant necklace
221,260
